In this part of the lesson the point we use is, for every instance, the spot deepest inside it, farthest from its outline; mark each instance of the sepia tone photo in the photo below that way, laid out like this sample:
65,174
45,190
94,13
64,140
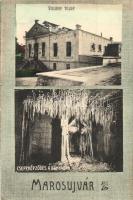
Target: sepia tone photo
60,45
66,99
69,130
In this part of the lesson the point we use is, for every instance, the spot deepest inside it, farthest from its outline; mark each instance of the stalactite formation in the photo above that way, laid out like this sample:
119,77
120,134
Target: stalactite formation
83,105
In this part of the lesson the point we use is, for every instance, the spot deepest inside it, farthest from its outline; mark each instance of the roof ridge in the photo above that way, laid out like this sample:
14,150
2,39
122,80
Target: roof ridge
95,34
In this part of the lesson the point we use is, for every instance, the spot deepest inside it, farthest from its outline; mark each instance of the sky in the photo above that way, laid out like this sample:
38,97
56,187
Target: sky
93,18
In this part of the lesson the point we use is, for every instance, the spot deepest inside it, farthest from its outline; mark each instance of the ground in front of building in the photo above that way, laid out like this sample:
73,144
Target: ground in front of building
90,76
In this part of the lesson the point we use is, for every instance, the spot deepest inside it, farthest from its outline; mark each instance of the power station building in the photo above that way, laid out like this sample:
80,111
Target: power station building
64,48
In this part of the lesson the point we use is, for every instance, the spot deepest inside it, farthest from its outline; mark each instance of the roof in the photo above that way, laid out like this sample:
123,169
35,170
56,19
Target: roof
39,29
46,23
65,28
95,35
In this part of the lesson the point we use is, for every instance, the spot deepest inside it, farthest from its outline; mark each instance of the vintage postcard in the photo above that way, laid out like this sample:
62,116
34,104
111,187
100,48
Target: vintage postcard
66,100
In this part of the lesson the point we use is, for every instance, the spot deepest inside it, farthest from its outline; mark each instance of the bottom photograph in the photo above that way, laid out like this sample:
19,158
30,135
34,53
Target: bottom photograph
77,130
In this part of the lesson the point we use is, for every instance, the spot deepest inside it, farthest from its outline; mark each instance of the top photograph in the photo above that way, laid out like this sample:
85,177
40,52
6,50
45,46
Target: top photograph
68,45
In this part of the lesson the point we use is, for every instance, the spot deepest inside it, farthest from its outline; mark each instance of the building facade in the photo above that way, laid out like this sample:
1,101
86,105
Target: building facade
64,48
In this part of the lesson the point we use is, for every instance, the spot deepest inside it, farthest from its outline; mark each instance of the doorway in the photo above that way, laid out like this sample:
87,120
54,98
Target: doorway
74,144
36,51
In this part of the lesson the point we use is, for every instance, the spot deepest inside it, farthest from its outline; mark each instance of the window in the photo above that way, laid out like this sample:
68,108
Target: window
93,47
68,49
54,66
43,49
67,66
36,47
99,47
55,49
29,50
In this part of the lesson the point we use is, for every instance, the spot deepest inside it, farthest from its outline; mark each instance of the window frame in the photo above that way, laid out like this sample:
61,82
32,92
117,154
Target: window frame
54,66
68,66
68,49
43,49
99,48
93,47
55,49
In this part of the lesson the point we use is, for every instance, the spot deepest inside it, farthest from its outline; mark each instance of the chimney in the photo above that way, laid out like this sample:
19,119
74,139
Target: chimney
78,27
36,21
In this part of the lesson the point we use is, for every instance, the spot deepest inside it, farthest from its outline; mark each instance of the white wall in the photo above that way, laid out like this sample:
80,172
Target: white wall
87,39
61,40
81,42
